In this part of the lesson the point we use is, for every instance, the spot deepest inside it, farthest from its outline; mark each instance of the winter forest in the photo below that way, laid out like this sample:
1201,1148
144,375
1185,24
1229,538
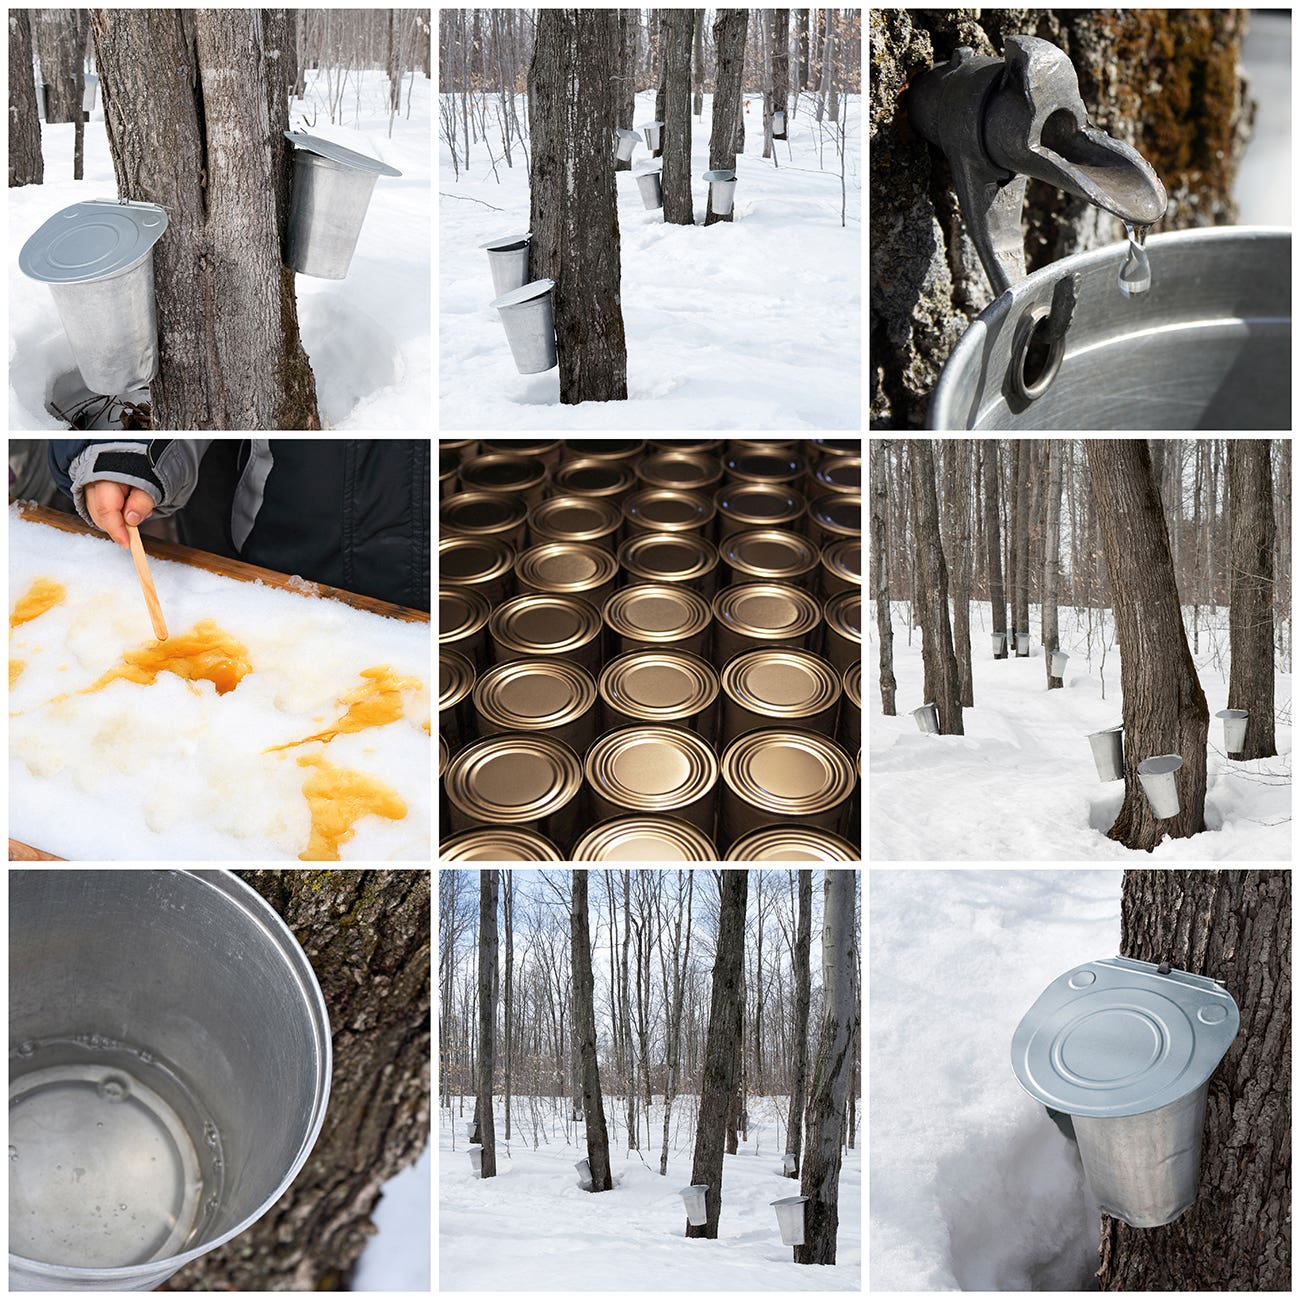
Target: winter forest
1083,648
649,1074
658,208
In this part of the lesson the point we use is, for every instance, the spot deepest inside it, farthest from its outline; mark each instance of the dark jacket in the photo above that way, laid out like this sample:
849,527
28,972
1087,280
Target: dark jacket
350,512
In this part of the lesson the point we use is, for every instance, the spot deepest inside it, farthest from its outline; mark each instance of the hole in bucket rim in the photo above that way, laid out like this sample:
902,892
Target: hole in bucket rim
1040,355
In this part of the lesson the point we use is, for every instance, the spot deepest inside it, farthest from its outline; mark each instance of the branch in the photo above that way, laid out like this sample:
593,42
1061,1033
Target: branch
466,199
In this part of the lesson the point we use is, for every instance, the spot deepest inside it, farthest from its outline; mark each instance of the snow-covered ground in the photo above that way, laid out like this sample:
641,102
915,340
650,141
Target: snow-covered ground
973,1187
1021,784
368,336
754,324
532,1228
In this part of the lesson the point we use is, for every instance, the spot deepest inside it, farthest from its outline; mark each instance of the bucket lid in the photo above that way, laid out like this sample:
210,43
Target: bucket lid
643,125
627,132
790,1200
336,153
537,289
724,175
649,168
1233,713
94,240
1117,1037
1160,765
506,241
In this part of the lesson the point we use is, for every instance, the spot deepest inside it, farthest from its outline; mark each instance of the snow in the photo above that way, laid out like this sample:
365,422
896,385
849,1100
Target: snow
532,1228
368,336
172,769
754,324
397,1257
972,1186
1021,783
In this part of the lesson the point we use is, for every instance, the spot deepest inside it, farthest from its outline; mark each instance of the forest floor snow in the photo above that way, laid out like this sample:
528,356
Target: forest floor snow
973,1187
532,1228
367,336
1021,785
754,324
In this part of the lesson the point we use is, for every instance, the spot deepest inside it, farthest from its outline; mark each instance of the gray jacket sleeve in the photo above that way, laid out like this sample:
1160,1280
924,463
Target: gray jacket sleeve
166,468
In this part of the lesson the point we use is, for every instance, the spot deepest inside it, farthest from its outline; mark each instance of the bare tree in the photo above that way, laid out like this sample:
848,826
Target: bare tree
487,1018
781,63
957,546
1020,495
801,18
584,1031
802,997
676,131
26,162
729,29
826,29
997,591
697,65
681,956
1052,560
880,577
509,910
624,98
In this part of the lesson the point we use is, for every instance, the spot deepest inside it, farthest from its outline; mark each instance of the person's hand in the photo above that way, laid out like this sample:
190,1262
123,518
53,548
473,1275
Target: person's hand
114,505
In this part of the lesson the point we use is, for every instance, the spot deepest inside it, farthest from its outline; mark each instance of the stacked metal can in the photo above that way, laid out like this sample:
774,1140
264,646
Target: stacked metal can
650,651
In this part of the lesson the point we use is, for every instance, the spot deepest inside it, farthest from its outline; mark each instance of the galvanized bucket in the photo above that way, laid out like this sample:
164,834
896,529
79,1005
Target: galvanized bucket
927,718
649,180
652,130
97,258
693,1197
476,1159
627,141
1059,660
529,322
722,189
508,262
1159,784
88,94
583,1167
778,122
788,1162
789,1218
1022,645
999,642
1234,729
1108,753
470,1126
331,192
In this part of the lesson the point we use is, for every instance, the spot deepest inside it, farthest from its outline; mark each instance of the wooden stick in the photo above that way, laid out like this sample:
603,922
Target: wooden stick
146,583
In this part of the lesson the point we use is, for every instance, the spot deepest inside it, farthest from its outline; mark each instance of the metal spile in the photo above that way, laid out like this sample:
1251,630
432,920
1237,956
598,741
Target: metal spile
1120,1052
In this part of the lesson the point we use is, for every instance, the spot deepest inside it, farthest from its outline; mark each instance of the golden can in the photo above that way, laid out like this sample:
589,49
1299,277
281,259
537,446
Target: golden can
462,623
484,564
768,555
465,448
658,615
668,687
610,480
792,844
851,710
685,446
521,476
567,569
833,474
833,516
484,514
742,506
772,465
548,695
644,839
448,473
841,567
614,451
668,510
765,688
637,770
455,705
671,557
844,629
592,520
498,844
680,472
763,616
547,625
547,451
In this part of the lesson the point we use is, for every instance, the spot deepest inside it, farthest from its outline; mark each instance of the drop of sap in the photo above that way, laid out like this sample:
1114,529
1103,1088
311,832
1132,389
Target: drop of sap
1135,274
114,1088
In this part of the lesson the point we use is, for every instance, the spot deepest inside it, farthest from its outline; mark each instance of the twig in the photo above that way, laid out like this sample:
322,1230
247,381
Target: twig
466,198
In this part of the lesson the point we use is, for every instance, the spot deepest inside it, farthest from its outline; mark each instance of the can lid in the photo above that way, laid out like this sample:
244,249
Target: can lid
770,553
614,448
668,510
337,153
701,446
759,504
95,240
544,624
655,838
1118,1037
839,474
525,293
766,609
521,446
770,466
781,683
472,559
574,519
472,513
852,681
653,769
498,472
657,611
836,446
593,477
838,512
843,558
667,557
455,678
498,844
788,770
844,613
462,612
513,778
506,241
566,568
534,694
683,470
658,685
792,844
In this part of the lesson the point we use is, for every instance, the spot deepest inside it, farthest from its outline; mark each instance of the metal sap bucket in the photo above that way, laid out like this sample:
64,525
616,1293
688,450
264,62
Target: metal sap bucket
1108,753
1159,784
470,1126
1234,729
476,1159
508,261
649,180
927,718
1022,645
627,141
1214,348
529,322
999,642
1059,660
331,192
88,93
652,133
170,1049
722,189
97,258
789,1218
788,1162
693,1198
778,122
1124,1051
584,1174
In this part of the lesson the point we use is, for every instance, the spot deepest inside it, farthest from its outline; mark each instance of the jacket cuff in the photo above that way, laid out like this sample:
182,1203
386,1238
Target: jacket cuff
119,462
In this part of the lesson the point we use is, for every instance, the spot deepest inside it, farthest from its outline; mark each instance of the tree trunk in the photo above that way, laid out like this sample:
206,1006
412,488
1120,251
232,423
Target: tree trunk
584,1031
681,959
880,579
956,478
26,163
942,683
697,66
997,591
802,996
292,53
624,98
802,19
487,1018
718,1084
1234,926
1020,491
509,910
574,216
1250,611
660,19
1164,706
729,29
625,1017
676,131
367,934
394,60
824,1126
827,29
61,45
186,133
1052,561
781,64
926,283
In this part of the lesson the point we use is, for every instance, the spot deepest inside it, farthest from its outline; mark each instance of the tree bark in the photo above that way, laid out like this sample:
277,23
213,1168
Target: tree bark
1052,561
624,98
584,1031
186,133
509,1004
1234,926
676,133
1020,492
927,283
697,64
802,19
721,1063
26,162
1250,611
824,1125
827,60
802,997
1164,706
956,478
625,1017
997,591
394,61
781,64
729,29
61,45
574,216
880,579
942,683
487,1019
681,960
367,936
